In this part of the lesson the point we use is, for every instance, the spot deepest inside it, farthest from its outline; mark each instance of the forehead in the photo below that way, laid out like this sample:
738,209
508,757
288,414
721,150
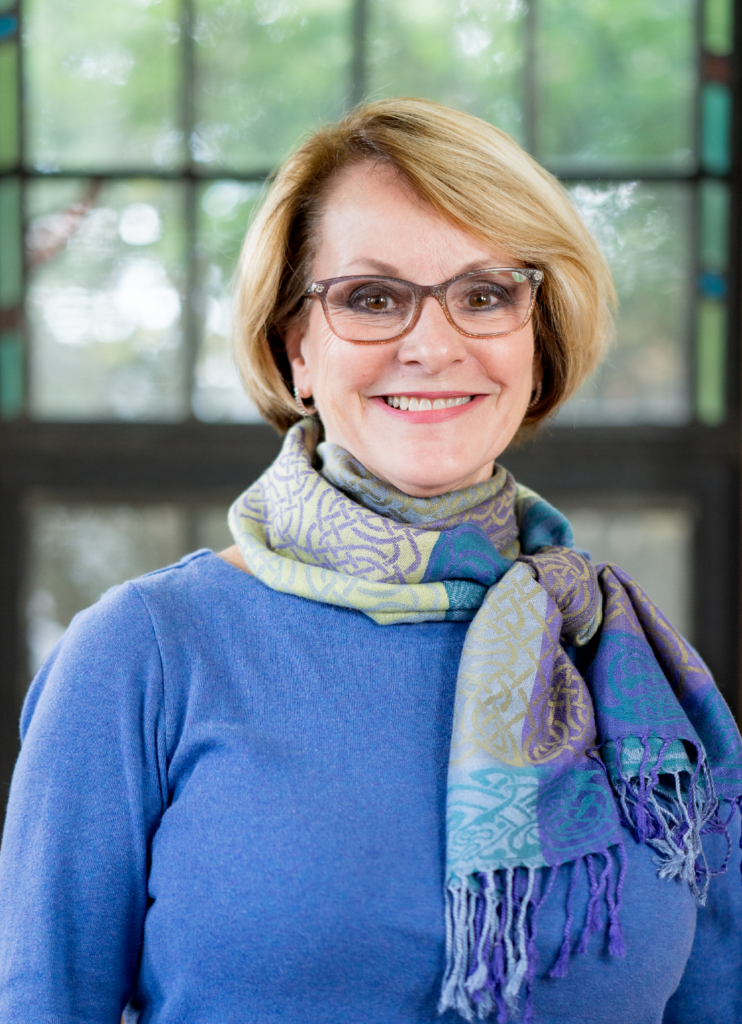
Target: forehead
371,215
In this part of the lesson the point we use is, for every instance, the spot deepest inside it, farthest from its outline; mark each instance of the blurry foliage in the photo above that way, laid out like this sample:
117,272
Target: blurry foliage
224,209
466,55
105,311
616,82
102,83
267,73
644,231
614,87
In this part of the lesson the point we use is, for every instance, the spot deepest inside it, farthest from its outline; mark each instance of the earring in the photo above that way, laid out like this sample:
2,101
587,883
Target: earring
535,396
300,405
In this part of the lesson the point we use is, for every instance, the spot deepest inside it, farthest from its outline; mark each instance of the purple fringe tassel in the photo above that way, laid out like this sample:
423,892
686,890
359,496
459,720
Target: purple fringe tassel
491,922
672,823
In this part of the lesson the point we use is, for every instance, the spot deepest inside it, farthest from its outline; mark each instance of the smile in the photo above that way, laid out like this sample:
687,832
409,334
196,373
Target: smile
413,404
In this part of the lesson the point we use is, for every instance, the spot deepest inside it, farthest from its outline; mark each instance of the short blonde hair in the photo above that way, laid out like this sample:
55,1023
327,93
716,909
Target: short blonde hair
469,172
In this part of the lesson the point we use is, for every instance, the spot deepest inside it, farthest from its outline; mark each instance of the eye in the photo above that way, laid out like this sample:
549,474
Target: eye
372,299
376,303
480,300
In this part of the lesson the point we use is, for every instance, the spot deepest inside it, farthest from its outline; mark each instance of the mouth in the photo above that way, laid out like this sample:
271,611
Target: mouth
428,407
415,403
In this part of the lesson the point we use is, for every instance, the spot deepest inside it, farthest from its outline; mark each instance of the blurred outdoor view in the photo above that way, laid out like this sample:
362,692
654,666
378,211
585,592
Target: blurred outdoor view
128,292
150,126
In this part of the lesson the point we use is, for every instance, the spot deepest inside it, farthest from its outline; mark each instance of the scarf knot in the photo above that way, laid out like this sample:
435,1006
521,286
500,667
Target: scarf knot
571,579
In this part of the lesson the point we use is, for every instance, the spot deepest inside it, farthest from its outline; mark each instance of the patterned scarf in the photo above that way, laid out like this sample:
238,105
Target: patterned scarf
547,761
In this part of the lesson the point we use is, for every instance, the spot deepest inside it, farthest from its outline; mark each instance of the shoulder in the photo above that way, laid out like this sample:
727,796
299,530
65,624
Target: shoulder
114,648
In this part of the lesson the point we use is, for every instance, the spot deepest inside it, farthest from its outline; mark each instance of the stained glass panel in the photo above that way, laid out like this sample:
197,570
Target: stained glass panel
8,104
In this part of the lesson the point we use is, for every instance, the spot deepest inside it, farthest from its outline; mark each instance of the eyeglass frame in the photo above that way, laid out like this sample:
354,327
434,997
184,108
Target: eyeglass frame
319,290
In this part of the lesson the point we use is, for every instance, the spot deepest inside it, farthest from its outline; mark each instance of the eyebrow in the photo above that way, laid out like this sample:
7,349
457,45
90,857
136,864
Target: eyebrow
389,270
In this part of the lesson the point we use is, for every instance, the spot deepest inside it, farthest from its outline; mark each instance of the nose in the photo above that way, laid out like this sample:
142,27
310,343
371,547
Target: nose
433,342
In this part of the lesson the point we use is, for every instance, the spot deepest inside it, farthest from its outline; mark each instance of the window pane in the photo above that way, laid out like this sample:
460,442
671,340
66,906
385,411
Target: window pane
8,103
104,302
102,82
78,550
224,211
716,105
11,275
645,232
616,82
211,527
653,545
469,56
714,254
267,70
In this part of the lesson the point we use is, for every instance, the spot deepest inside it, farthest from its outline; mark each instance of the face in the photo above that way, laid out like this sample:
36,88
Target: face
373,224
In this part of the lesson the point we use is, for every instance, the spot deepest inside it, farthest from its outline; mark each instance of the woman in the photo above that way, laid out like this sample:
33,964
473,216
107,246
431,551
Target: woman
401,750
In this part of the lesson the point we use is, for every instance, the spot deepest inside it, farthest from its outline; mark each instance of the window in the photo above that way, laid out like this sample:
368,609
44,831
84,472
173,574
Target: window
135,140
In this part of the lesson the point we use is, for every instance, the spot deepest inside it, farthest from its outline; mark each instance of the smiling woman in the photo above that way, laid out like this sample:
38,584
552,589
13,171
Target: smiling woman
402,749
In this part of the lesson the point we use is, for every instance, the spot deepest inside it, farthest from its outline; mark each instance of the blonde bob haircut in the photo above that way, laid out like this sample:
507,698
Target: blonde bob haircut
469,172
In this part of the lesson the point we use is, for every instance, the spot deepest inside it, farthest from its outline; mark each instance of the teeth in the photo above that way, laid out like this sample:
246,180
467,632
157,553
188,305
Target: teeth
423,404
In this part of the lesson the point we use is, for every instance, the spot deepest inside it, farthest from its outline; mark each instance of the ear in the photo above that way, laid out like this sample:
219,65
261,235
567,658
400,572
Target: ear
293,337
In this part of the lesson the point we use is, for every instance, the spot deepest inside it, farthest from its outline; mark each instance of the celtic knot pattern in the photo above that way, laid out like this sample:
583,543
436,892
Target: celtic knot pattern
525,784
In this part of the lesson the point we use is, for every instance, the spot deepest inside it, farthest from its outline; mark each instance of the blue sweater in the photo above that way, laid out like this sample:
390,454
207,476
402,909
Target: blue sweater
229,808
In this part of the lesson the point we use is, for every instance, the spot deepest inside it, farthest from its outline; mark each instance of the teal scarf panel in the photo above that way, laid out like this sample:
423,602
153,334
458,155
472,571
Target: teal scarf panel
548,764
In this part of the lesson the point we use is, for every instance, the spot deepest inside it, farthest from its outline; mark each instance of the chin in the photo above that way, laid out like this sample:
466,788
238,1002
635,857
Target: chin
424,478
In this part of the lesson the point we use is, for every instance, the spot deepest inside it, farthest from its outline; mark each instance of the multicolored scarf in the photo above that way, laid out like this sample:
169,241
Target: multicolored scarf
548,763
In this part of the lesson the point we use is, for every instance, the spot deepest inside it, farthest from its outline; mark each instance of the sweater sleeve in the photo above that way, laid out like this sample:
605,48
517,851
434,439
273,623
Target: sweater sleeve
87,795
711,986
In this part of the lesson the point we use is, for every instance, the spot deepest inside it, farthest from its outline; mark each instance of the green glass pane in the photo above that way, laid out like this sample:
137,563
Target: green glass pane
105,294
645,232
11,375
468,56
714,225
11,269
267,72
102,84
8,104
717,115
616,83
224,210
6,5
711,349
718,26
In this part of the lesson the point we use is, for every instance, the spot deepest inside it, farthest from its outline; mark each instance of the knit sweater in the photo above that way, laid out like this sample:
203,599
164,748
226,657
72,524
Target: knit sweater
229,807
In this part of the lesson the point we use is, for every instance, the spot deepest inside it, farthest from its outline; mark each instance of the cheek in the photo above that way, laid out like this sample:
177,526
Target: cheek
511,364
341,369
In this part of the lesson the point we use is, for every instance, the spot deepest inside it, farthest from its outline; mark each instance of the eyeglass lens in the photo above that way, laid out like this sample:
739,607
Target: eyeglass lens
378,309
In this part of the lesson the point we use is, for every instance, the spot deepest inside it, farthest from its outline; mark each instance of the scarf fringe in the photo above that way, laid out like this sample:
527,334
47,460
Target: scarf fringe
672,823
491,920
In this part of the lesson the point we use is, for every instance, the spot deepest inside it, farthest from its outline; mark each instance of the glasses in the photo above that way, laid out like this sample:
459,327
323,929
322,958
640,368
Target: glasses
371,310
